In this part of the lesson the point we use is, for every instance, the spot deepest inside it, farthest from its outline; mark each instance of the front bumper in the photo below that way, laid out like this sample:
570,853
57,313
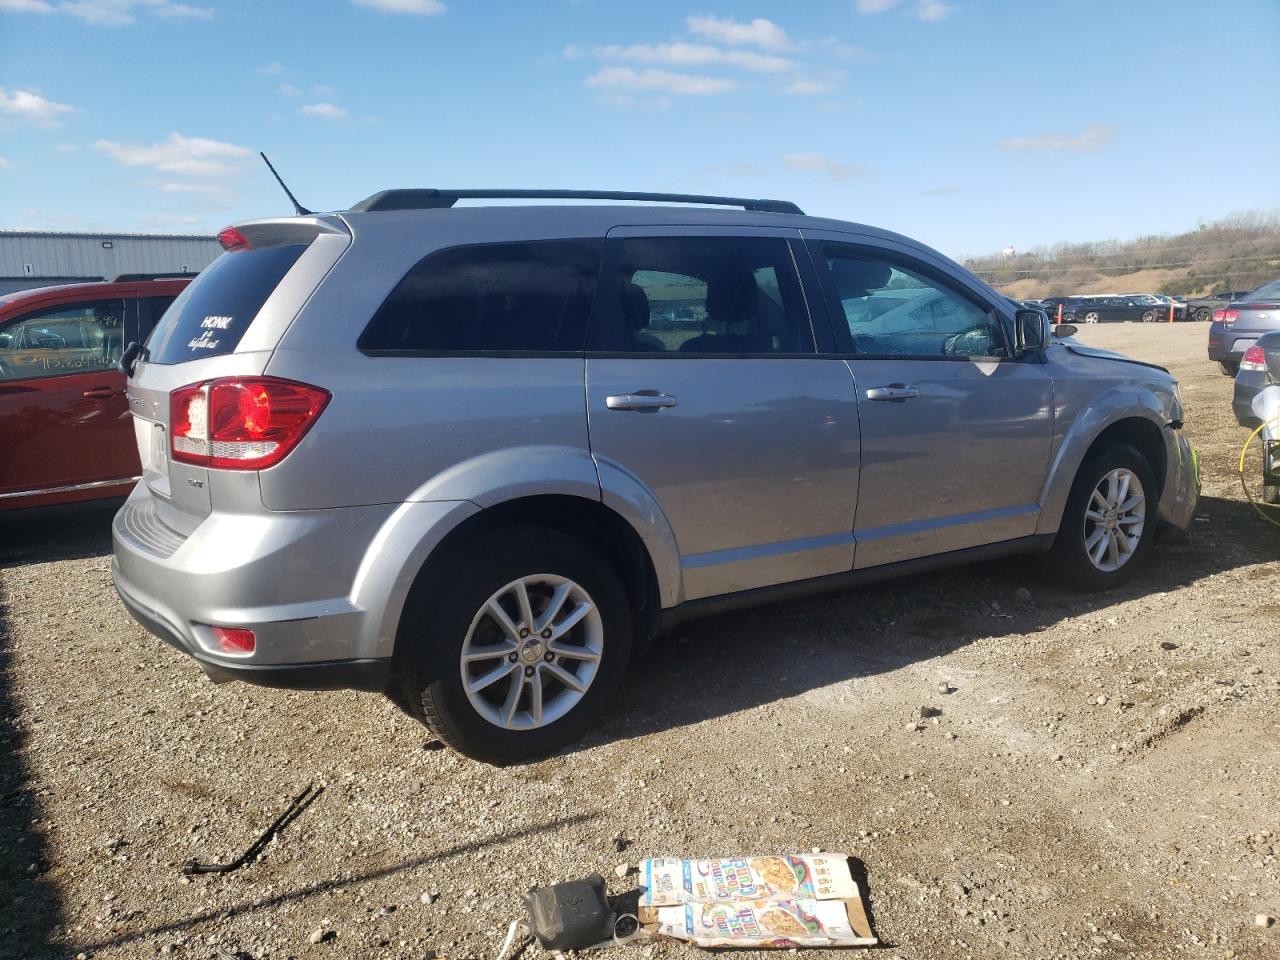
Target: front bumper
1181,494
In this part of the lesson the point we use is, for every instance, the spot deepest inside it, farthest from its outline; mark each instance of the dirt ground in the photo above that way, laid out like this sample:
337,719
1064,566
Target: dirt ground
1103,781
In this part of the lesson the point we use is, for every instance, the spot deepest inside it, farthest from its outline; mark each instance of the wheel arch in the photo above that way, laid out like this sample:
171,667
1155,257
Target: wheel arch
1136,425
587,519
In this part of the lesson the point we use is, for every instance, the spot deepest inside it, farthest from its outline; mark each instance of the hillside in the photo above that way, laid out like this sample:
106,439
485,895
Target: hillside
1236,253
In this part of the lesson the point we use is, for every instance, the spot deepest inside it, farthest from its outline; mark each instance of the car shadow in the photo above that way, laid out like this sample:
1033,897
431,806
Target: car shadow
30,911
733,662
56,533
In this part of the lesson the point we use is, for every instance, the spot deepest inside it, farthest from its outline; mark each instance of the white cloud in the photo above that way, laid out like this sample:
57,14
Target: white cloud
116,13
270,69
801,87
931,11
759,32
423,8
289,90
327,111
30,106
166,221
695,54
3,163
820,163
943,190
67,147
876,6
663,81
1092,138
572,52
25,6
193,156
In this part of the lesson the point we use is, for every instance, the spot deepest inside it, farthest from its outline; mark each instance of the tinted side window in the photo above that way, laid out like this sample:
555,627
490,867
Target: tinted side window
702,295
73,338
491,297
212,314
893,310
153,309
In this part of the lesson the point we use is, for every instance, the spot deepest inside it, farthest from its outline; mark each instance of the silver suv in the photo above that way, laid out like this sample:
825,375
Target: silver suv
476,457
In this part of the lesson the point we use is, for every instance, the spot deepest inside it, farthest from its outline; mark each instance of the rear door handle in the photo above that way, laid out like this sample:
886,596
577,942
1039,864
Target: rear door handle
640,400
102,393
893,392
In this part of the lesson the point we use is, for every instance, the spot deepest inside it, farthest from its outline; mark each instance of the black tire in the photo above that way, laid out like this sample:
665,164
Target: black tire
430,643
1271,493
1149,316
1228,368
1202,314
1067,560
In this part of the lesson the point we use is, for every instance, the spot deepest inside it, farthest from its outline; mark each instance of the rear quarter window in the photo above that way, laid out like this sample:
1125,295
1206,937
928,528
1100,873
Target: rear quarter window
529,297
212,314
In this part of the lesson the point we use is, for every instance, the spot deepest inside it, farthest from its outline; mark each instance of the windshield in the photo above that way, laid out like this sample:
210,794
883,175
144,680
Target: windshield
1268,291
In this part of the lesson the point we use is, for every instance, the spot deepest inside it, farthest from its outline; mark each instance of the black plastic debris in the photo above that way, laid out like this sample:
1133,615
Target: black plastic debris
570,916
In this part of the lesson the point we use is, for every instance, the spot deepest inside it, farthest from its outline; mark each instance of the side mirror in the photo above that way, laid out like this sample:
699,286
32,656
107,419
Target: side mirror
1030,331
1065,330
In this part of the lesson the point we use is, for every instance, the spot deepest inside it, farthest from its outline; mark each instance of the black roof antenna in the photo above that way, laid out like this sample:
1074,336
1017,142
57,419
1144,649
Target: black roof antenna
298,208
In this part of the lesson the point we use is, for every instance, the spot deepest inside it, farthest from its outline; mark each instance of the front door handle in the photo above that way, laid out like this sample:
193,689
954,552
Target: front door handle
640,400
893,392
102,393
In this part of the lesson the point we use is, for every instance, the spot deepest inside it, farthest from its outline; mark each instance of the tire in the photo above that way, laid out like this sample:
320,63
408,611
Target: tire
1271,492
1091,317
1202,314
1270,466
1069,559
451,618
1228,368
1149,316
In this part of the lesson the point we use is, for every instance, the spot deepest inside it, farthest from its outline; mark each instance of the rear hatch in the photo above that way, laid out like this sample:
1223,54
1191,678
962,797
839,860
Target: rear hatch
225,324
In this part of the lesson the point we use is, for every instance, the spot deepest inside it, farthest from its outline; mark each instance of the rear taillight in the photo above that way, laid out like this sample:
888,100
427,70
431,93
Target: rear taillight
1254,359
1227,317
241,423
232,239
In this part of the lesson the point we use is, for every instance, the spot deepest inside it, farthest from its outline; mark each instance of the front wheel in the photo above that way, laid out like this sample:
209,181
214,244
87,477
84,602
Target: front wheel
1109,521
1091,317
519,648
1201,314
1149,316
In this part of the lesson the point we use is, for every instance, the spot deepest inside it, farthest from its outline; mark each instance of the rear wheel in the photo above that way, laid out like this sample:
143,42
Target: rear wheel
516,652
1201,314
1091,317
1149,316
1109,521
1271,472
1228,368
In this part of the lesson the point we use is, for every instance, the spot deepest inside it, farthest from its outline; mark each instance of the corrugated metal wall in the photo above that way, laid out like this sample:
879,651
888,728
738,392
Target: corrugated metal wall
33,259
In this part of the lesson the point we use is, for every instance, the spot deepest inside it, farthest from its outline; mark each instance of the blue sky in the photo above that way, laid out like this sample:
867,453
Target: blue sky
969,124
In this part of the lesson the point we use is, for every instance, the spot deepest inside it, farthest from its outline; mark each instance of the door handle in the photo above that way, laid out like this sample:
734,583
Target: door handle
893,392
640,400
102,393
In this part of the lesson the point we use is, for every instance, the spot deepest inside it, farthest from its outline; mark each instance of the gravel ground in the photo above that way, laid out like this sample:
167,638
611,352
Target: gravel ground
1101,781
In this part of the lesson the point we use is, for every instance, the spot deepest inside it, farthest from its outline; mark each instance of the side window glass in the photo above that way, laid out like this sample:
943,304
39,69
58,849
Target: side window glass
154,310
704,295
525,297
894,311
74,338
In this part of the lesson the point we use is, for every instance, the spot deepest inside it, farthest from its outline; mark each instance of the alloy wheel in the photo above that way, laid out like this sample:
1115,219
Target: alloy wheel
1091,317
532,652
1114,519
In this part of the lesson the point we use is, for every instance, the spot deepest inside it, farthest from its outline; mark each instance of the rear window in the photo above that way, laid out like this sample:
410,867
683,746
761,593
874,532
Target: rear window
502,297
212,314
1268,291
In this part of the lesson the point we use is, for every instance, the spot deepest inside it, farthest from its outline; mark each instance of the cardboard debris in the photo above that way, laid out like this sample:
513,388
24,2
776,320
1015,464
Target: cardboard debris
790,900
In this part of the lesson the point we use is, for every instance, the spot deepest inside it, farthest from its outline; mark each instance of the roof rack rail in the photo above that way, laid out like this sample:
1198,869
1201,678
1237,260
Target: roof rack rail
131,277
428,199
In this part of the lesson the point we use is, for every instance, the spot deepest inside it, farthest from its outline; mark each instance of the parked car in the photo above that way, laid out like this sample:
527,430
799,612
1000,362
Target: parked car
1051,305
1260,372
444,453
65,429
1110,309
1239,324
1201,308
1161,305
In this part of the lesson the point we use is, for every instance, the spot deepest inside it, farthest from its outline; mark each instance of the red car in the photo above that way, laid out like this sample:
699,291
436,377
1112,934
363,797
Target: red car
66,434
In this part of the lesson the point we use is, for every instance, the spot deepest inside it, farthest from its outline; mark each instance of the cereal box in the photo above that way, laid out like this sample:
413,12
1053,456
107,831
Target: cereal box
789,900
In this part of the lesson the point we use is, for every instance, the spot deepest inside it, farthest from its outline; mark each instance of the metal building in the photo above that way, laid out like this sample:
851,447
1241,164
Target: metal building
30,258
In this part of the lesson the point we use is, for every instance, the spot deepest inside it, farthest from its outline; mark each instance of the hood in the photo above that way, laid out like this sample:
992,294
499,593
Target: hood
1082,350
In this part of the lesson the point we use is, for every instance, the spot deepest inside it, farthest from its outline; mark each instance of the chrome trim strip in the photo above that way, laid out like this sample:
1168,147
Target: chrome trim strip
70,488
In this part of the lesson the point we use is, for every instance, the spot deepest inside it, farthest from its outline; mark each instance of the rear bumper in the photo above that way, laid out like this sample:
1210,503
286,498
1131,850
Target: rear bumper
1249,383
371,675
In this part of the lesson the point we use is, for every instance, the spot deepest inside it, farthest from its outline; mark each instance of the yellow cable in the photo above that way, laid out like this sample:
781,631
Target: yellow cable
1253,503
